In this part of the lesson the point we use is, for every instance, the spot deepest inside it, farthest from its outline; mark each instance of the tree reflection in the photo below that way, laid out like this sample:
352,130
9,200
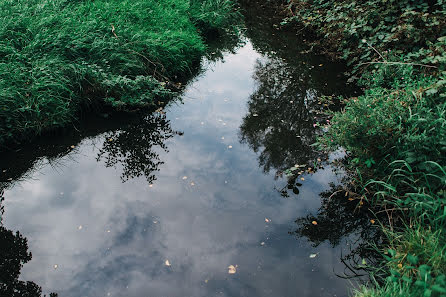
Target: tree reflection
13,255
279,123
136,147
344,218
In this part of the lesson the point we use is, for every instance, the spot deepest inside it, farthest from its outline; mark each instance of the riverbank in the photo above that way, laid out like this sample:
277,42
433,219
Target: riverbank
395,133
62,57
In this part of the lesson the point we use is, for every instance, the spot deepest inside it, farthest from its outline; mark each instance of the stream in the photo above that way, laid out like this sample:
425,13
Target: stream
191,200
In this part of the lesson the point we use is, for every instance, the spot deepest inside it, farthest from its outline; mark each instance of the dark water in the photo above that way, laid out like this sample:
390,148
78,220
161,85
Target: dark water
198,184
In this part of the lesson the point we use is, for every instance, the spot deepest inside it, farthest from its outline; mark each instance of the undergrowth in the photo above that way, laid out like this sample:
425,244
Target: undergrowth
395,132
60,57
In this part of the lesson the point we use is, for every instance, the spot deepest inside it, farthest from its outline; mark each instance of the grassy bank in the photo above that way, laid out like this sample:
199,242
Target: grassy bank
395,132
60,57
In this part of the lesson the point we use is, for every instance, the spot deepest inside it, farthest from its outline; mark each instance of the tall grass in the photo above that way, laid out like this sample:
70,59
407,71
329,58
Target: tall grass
59,56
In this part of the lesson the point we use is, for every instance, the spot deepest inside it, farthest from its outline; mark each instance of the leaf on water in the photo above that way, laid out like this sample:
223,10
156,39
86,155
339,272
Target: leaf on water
230,146
232,269
302,178
184,177
192,184
262,243
167,263
313,255
206,281
151,185
222,137
350,199
72,146
267,220
80,227
372,221
55,266
314,223
108,231
320,65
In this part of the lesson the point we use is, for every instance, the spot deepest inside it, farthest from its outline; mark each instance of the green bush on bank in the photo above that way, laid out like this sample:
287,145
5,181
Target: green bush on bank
395,132
57,57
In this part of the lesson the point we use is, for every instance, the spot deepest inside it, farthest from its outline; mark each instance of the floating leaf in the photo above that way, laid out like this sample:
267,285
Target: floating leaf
167,263
313,255
267,220
184,177
314,223
232,269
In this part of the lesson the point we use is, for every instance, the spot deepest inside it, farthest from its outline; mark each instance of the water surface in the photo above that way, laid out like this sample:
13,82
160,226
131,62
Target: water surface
199,184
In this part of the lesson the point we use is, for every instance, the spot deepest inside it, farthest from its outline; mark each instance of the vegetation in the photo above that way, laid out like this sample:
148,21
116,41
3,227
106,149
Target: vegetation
395,132
60,57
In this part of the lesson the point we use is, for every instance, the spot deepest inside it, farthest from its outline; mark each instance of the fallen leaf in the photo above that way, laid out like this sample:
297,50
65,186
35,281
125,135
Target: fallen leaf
313,255
55,266
372,221
400,265
302,178
184,177
150,186
262,243
206,281
192,184
314,223
230,146
80,227
232,269
72,146
167,263
267,220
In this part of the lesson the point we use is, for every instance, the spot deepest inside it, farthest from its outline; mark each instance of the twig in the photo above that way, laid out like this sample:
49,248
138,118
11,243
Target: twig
398,63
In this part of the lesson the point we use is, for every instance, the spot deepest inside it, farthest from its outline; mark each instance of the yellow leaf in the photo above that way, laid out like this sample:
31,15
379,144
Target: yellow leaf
232,269
314,223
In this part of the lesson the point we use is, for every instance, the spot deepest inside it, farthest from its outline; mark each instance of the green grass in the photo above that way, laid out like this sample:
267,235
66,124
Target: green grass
59,57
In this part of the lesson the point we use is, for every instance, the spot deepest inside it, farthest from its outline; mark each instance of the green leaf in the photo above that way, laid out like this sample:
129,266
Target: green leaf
438,288
412,259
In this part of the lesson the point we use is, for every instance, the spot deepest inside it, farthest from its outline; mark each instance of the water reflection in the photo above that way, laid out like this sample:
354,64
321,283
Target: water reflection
279,123
136,147
13,255
343,218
